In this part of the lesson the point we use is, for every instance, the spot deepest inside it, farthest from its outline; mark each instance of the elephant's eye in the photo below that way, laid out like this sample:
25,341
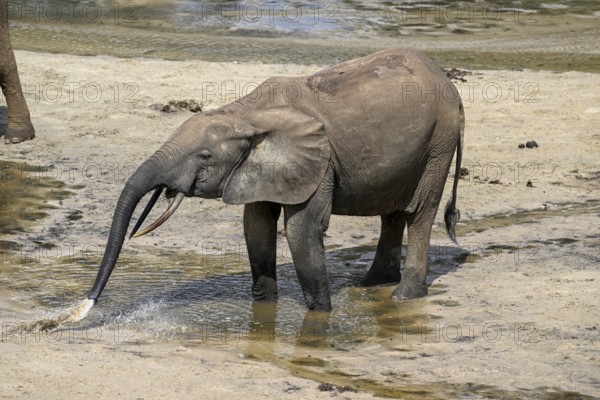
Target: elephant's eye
205,154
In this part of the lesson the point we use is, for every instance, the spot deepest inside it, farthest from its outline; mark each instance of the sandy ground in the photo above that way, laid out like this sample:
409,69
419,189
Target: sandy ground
521,315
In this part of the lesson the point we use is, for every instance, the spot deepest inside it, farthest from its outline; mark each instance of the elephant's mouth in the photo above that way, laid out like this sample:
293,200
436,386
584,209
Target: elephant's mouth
177,198
170,193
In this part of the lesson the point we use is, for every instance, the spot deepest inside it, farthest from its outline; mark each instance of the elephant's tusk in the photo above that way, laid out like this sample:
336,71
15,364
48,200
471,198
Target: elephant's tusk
172,207
146,211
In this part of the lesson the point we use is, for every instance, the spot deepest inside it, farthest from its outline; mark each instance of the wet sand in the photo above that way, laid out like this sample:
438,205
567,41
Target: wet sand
518,317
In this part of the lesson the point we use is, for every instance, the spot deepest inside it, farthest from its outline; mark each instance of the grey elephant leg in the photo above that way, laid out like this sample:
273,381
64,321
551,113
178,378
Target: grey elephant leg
304,226
413,283
260,229
19,123
421,213
386,266
419,221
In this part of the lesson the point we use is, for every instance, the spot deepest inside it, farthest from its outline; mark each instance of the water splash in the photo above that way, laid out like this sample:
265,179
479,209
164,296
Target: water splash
150,321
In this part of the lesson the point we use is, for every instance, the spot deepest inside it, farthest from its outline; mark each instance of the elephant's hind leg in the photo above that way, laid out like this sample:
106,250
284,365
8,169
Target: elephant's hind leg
420,214
386,266
19,126
414,274
260,229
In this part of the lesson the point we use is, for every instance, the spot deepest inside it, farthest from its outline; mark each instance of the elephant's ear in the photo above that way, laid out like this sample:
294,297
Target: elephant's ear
287,160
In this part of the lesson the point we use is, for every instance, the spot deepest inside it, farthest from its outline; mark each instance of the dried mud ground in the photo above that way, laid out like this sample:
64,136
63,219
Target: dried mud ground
516,318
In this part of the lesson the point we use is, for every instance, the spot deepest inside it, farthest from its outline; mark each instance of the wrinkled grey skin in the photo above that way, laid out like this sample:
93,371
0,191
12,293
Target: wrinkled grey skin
358,138
19,126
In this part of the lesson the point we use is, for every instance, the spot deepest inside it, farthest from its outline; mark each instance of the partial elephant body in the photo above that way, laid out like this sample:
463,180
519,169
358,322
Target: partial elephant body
387,116
19,126
371,136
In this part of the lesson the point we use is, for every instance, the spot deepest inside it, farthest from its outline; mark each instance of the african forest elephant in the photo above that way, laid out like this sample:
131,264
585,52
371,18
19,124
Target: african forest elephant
371,136
19,127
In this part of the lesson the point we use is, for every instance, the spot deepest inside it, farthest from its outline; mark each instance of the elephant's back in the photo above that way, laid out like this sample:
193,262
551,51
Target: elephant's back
380,113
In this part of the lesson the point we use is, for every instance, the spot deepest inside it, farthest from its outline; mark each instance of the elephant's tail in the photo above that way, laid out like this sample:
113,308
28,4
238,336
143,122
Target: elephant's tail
452,214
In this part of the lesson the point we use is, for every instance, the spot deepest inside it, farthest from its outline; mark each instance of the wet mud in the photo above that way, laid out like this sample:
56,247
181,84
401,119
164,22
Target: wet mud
27,195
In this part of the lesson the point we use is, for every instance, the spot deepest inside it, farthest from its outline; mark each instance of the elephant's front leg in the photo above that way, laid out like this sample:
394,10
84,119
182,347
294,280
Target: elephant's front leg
260,229
304,226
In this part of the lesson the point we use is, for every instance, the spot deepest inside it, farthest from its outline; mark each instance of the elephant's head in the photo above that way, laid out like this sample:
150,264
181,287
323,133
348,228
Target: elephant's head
278,154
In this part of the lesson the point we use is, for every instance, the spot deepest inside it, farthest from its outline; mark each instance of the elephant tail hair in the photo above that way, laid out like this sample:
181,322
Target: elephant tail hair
452,214
451,217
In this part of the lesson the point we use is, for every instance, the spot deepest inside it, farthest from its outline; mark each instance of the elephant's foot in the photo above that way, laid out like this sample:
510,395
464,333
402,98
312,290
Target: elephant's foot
373,277
409,290
265,289
319,302
19,134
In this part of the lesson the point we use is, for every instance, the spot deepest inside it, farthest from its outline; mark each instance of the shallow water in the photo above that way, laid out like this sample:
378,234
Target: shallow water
197,298
171,294
166,295
558,35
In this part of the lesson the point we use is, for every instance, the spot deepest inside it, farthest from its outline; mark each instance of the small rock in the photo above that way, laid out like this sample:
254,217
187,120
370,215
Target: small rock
325,387
521,145
168,108
291,388
464,172
494,182
178,105
457,74
531,144
328,387
529,184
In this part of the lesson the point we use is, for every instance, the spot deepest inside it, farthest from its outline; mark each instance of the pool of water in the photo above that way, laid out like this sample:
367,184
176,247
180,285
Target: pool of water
558,35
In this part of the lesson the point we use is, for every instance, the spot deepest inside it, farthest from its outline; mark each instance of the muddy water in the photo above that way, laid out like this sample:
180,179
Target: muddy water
557,35
159,295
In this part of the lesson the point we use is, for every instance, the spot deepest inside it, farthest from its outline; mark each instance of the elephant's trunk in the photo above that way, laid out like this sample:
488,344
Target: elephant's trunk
143,180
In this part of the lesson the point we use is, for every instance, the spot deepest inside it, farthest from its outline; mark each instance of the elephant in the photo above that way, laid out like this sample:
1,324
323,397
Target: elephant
19,126
370,136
